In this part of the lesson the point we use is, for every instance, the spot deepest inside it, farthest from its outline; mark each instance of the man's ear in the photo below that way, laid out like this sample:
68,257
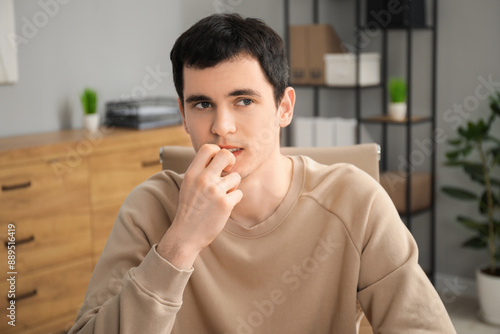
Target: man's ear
286,107
183,115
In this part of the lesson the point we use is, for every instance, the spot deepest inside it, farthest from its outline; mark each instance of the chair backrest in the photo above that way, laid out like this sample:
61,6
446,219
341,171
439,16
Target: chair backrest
364,156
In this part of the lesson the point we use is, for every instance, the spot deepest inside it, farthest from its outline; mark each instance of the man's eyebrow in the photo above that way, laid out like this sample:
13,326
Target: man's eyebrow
197,98
248,92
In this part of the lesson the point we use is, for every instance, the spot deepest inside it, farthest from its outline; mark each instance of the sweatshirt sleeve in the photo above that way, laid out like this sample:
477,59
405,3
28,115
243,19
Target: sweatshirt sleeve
133,289
394,291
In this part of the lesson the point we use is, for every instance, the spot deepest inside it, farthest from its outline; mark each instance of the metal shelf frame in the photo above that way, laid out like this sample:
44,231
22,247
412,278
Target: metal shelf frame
410,121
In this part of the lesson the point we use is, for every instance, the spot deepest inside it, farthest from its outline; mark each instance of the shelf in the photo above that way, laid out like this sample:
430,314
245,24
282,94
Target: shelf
387,119
335,87
416,212
421,186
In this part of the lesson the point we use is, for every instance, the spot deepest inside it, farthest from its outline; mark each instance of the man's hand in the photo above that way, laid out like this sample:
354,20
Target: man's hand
206,200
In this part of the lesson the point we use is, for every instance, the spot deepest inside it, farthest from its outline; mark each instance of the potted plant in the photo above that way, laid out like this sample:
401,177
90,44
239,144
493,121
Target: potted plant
477,152
89,105
397,94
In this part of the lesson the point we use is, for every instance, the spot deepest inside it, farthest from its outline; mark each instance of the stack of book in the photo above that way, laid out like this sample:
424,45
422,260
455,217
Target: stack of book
147,113
326,131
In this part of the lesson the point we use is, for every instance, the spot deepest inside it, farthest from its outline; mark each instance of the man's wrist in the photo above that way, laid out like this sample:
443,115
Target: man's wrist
179,254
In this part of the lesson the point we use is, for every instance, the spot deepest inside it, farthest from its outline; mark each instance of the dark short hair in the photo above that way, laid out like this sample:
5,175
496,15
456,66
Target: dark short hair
222,37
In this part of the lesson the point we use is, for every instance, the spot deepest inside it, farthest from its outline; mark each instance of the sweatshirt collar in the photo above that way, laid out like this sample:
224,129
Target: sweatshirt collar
281,212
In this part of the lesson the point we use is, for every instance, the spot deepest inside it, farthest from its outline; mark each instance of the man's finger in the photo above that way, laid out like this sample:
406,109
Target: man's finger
230,182
203,158
234,197
222,161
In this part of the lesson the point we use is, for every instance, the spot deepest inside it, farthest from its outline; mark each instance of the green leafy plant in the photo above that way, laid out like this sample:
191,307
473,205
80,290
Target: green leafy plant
397,90
89,101
477,152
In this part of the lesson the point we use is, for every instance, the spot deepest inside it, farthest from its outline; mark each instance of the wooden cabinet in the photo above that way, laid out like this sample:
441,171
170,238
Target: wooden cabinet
61,192
112,178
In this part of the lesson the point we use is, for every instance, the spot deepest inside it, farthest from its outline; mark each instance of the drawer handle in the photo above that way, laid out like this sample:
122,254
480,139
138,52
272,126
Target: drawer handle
22,241
150,163
23,296
17,186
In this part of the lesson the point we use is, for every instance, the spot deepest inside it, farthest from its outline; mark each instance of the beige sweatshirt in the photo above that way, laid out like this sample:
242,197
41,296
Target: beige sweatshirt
335,239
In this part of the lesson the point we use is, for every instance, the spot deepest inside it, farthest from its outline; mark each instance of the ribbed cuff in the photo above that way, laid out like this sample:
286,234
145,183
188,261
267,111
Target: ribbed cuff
161,278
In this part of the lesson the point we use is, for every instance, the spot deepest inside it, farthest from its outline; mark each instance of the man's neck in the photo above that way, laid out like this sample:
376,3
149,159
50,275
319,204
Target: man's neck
263,191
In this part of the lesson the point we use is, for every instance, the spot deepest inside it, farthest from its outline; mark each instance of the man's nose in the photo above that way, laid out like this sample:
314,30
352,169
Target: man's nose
224,122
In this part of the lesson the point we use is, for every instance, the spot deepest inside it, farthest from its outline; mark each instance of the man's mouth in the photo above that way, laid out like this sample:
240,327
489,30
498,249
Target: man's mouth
230,148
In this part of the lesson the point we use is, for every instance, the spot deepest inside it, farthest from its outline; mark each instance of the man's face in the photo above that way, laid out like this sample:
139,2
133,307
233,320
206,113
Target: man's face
232,105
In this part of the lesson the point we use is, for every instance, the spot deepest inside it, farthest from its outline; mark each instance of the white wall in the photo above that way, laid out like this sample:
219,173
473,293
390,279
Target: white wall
66,45
110,44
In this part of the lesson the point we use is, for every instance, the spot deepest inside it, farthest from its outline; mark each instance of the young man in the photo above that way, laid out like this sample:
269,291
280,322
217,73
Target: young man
249,240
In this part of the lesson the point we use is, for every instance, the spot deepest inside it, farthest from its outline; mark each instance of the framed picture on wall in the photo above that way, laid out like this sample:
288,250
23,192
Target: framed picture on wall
8,47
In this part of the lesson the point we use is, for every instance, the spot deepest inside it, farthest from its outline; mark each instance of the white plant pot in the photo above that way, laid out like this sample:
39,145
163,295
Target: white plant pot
397,111
488,287
91,122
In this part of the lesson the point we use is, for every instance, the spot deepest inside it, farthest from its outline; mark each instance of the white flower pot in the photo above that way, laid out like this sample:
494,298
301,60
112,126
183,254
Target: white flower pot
397,111
488,287
91,122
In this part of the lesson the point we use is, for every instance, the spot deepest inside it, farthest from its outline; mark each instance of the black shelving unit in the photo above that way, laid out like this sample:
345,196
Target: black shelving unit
383,120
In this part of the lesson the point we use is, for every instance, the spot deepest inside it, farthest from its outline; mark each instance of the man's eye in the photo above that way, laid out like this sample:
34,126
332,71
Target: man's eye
203,105
244,102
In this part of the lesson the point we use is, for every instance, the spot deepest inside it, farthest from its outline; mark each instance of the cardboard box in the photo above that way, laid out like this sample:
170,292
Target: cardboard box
298,55
308,45
395,185
341,69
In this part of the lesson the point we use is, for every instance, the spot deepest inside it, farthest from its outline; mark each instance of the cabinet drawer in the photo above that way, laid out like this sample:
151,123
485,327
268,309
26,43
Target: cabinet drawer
46,241
114,176
45,295
40,190
102,222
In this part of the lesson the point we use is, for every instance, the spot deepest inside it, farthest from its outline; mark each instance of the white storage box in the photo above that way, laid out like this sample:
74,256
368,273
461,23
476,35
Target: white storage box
341,69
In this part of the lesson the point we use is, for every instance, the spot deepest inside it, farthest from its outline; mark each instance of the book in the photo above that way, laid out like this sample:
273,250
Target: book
146,113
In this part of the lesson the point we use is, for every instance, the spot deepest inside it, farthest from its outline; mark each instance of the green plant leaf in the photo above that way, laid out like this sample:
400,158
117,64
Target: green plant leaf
454,163
483,203
458,163
495,106
467,150
475,242
491,138
455,142
89,101
453,155
397,90
459,193
474,225
477,177
495,153
474,170
462,132
495,182
483,127
476,131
